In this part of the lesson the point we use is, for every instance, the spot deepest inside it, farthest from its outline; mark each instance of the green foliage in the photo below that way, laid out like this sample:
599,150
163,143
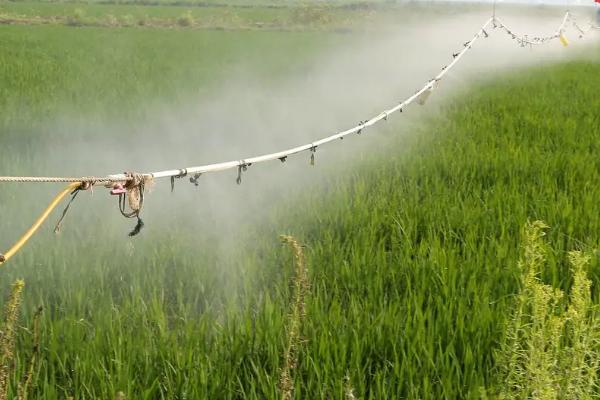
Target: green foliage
551,349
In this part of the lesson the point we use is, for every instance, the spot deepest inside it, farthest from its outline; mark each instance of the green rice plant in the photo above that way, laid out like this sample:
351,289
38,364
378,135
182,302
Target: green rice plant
551,350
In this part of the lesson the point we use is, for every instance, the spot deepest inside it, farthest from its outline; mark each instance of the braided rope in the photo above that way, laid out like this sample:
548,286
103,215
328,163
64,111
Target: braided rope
53,179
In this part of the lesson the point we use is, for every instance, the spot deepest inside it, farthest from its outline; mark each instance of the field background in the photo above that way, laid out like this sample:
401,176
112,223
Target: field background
411,231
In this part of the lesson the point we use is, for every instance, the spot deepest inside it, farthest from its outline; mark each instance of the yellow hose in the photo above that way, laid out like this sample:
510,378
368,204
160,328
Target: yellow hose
21,242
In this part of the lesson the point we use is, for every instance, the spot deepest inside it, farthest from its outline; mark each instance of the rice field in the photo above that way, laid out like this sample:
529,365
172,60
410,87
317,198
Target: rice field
411,251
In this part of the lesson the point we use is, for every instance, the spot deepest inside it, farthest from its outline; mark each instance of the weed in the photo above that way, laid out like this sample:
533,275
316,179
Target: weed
186,19
551,349
294,323
348,389
7,341
26,384
143,20
120,396
310,15
77,18
128,20
111,20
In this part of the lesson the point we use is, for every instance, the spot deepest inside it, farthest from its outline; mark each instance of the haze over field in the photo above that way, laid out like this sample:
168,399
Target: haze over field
245,113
